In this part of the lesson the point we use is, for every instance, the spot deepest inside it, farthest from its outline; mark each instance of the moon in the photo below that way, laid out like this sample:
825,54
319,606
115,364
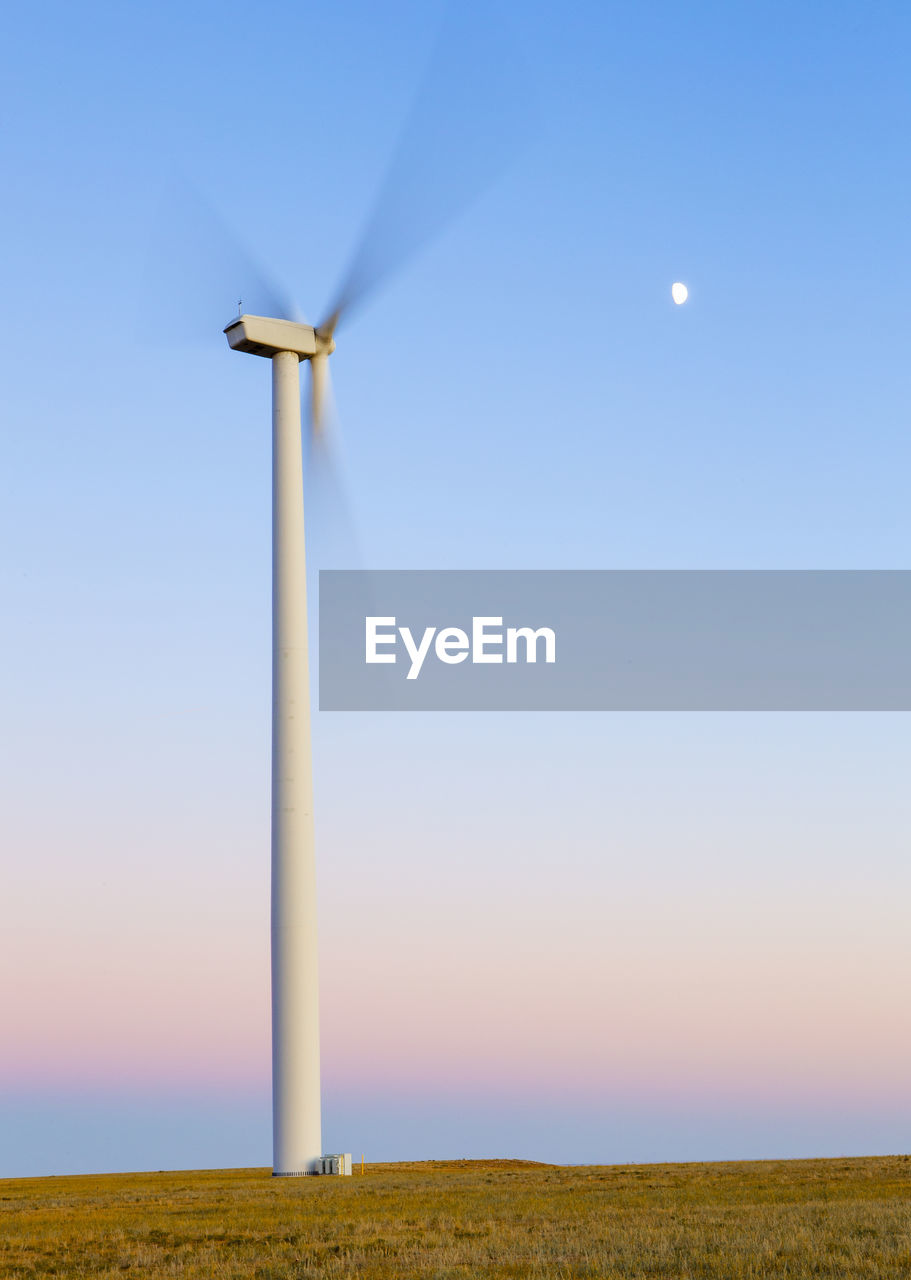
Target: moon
680,293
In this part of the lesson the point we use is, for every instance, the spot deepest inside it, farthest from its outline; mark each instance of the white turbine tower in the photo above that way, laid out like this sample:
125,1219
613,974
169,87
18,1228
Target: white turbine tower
296,1123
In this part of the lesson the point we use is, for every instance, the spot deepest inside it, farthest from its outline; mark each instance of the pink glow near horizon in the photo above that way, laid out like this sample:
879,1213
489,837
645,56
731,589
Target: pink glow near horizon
673,1004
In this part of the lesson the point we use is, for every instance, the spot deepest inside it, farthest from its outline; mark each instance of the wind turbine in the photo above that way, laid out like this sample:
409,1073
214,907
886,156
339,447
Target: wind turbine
415,200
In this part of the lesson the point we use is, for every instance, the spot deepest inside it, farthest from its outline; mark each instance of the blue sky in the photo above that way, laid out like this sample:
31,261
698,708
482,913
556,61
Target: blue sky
522,394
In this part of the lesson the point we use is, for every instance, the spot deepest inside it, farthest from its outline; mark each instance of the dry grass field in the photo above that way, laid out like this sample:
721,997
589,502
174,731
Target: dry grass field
844,1218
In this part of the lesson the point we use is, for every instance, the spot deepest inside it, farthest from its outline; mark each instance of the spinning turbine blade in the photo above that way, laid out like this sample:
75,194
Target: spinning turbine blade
334,534
448,152
439,166
319,391
196,258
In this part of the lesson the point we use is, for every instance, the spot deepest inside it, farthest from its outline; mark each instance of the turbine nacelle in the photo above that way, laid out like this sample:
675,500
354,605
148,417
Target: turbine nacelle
264,336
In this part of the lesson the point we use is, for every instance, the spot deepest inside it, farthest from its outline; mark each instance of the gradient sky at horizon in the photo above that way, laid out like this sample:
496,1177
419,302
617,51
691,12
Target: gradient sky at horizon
592,938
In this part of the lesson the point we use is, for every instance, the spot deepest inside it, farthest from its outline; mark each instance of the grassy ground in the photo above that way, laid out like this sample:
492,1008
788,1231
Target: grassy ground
844,1218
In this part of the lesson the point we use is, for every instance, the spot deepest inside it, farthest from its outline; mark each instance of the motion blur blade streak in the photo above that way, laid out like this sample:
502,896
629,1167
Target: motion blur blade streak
467,121
335,542
319,392
196,258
